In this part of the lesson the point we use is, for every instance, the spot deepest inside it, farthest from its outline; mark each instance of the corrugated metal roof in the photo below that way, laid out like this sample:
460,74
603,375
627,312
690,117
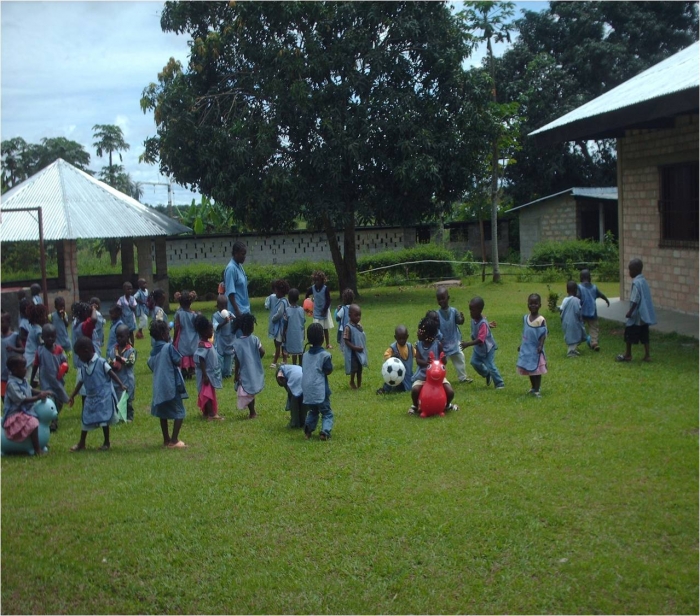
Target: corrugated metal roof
606,193
679,72
76,205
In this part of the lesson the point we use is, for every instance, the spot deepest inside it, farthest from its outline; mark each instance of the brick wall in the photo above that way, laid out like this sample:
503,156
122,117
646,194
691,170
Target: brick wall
672,273
552,220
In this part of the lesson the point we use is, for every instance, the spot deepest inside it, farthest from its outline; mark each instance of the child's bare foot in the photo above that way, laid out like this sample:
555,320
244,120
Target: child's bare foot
177,445
104,447
215,418
352,385
252,416
77,447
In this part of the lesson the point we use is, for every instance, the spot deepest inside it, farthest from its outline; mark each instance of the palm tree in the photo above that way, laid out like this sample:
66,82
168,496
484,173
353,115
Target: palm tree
109,139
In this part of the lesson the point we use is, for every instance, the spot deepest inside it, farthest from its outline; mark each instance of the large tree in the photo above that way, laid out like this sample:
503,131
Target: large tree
567,55
335,111
109,139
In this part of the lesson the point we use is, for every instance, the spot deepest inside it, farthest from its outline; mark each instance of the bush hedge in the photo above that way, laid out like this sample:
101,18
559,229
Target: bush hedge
572,256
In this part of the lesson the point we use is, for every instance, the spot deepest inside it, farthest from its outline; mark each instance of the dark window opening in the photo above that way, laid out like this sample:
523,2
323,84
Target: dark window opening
678,205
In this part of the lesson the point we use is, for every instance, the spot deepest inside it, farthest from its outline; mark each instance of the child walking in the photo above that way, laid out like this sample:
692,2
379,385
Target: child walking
342,314
641,313
248,373
276,325
427,343
128,306
9,346
115,315
100,401
402,349
141,297
355,343
186,338
289,376
322,303
484,346
207,369
84,323
18,418
122,359
317,364
98,334
532,361
450,320
52,364
588,292
571,320
59,319
293,328
223,335
168,384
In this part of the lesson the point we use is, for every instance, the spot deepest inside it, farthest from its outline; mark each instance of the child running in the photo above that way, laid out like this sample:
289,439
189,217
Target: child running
59,319
342,314
141,297
122,359
52,364
484,346
18,417
248,374
207,369
532,361
402,349
317,365
186,338
276,326
450,320
641,313
168,384
289,376
223,335
100,401
571,320
355,351
128,306
9,346
588,292
293,328
427,343
322,303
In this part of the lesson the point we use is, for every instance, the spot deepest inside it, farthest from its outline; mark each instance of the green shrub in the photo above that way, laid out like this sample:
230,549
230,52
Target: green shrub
572,256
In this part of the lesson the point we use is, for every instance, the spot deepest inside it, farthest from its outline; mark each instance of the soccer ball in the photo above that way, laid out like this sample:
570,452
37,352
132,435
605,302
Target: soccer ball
308,306
393,371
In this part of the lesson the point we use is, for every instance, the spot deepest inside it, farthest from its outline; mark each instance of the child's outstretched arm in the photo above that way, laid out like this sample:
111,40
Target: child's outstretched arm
116,379
78,385
602,296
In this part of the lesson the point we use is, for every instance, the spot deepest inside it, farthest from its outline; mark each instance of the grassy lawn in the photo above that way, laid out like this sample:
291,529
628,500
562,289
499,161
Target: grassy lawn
583,501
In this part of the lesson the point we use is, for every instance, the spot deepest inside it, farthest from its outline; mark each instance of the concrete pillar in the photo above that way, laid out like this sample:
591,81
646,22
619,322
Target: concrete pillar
60,252
161,276
69,266
127,251
144,261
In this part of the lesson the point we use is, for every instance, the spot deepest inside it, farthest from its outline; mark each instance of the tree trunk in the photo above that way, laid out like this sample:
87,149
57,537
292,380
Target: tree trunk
483,249
350,260
494,175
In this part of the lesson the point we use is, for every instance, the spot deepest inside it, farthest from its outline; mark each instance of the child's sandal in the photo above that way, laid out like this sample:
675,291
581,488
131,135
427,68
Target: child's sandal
451,407
413,410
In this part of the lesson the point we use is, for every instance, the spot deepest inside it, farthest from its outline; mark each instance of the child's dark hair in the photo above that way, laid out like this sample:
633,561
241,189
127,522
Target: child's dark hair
201,326
293,295
280,286
319,274
585,275
36,313
571,286
314,334
246,323
47,328
59,300
95,301
157,294
13,361
427,327
116,309
159,330
185,297
537,295
83,343
432,315
348,297
81,311
24,303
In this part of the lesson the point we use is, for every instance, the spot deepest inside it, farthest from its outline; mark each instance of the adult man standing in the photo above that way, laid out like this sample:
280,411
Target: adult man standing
236,281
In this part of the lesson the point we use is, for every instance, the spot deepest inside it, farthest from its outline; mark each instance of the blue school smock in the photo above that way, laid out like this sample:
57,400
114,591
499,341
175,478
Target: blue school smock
251,373
100,406
294,335
357,338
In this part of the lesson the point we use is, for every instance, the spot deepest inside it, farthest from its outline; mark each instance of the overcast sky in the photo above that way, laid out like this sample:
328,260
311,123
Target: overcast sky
66,66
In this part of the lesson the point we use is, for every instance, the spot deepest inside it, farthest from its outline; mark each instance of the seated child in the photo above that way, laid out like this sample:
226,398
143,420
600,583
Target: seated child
427,342
289,376
402,349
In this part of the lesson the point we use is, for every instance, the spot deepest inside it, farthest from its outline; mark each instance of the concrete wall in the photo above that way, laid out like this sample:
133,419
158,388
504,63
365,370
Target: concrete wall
552,220
672,273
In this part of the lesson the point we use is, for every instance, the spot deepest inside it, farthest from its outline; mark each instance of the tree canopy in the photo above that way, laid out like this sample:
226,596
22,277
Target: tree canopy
567,55
335,111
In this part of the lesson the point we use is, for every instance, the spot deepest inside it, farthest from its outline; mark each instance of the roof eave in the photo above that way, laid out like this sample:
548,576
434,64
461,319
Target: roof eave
655,113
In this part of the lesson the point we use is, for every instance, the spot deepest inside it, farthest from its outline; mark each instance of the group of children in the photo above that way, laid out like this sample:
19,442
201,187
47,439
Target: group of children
226,346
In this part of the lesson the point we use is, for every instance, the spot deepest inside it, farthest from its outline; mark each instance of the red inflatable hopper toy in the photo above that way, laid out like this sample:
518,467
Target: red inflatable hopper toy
432,399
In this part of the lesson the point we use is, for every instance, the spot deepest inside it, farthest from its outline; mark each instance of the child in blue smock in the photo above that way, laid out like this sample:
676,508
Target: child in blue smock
248,372
402,349
588,293
223,335
122,359
641,313
168,385
355,347
276,326
100,401
52,364
322,303
128,306
342,314
532,361
450,320
207,369
293,328
571,320
186,338
59,319
36,314
484,345
9,346
317,364
141,297
289,376
98,334
116,320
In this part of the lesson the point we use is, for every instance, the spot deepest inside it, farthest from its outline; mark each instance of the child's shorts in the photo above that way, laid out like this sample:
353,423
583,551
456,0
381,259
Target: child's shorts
244,398
326,321
634,334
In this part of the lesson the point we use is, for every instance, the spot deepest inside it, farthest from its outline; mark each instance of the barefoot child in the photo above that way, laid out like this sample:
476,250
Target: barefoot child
115,315
207,369
248,373
122,359
168,384
98,334
588,292
52,364
450,320
641,313
532,361
571,320
322,303
275,331
342,314
317,365
355,351
59,319
484,345
186,338
289,376
100,401
18,418
222,320
293,328
128,306
141,297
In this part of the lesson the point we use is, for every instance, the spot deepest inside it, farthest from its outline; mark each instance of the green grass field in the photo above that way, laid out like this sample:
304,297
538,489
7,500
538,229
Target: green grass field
583,501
